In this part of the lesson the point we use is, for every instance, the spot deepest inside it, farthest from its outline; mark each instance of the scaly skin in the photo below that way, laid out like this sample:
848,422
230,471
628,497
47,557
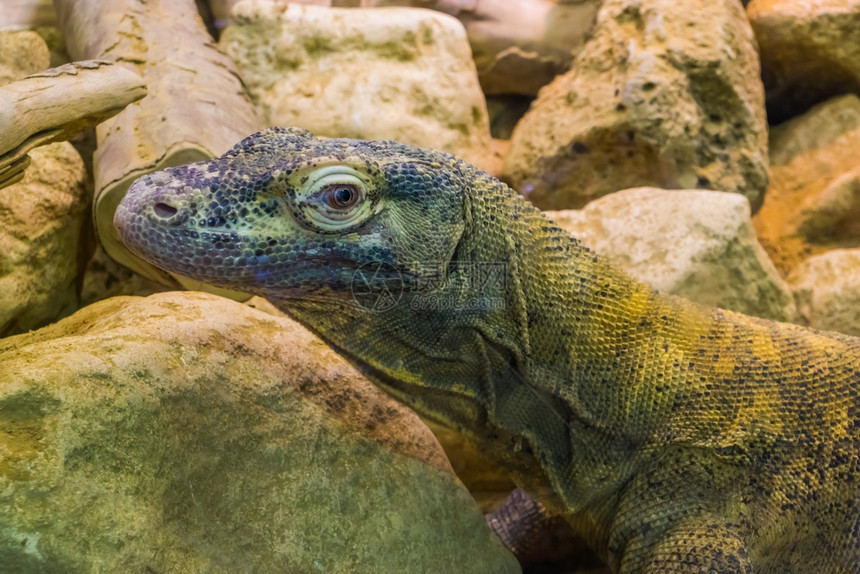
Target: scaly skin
673,437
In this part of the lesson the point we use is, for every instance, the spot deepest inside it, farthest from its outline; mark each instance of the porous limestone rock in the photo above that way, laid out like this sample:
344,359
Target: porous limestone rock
386,73
187,430
518,45
834,214
41,253
487,482
693,243
813,199
810,50
665,94
827,290
16,14
817,128
22,53
104,278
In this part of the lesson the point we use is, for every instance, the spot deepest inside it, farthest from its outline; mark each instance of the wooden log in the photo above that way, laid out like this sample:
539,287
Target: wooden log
56,104
196,107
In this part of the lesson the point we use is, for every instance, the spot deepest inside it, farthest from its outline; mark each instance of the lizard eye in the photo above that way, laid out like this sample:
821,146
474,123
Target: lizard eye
335,198
341,195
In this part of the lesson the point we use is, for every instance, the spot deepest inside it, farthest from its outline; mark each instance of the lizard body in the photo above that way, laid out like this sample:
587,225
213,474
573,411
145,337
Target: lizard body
673,437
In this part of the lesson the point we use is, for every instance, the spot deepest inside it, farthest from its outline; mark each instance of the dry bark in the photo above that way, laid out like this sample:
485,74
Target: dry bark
56,104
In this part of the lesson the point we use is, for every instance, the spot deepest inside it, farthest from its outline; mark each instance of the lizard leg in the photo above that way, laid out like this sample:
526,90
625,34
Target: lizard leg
694,545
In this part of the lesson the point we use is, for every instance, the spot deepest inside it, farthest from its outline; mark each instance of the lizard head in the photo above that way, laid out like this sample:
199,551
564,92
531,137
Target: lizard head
286,215
346,236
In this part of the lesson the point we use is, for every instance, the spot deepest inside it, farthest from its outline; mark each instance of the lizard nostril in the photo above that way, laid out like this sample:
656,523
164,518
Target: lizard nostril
164,210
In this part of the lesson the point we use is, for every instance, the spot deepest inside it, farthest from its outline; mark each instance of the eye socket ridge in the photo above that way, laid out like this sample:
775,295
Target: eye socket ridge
336,199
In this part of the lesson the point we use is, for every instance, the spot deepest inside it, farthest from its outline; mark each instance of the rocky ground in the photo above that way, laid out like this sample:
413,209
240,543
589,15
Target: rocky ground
707,147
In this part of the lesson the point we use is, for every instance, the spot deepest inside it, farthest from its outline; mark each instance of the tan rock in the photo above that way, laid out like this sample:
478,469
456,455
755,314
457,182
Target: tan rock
187,431
834,214
696,244
817,128
387,73
488,483
813,198
664,94
518,45
827,289
27,14
810,50
104,278
56,43
21,53
41,222
39,17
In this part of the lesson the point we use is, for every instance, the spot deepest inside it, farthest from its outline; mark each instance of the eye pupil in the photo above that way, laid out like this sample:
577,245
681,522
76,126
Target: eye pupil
342,196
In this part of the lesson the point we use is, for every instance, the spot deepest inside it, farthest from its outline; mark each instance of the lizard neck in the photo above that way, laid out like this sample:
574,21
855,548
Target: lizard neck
564,330
518,348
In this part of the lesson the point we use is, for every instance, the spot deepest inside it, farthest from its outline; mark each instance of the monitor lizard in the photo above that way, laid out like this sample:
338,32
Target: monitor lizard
672,436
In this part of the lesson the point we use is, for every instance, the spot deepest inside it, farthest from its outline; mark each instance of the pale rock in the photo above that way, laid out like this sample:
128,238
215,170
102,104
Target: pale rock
29,17
693,243
518,45
220,9
183,429
104,278
487,482
810,50
16,14
834,214
386,73
817,128
813,199
665,94
22,53
56,43
827,290
41,251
